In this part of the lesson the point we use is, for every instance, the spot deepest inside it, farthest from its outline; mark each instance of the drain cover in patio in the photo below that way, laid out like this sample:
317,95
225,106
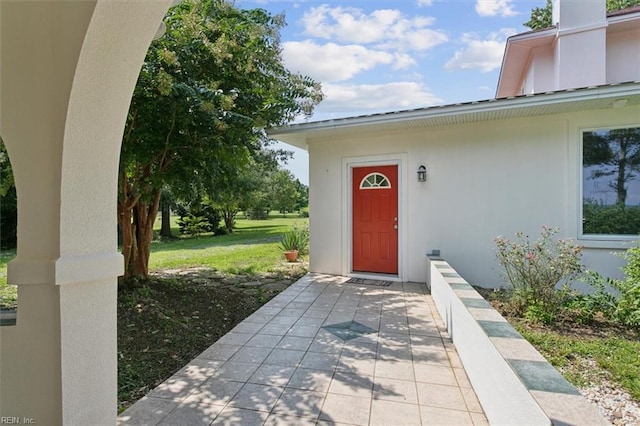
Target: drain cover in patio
349,330
365,281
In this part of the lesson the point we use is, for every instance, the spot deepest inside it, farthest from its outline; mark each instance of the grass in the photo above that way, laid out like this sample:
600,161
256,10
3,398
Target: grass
616,358
585,353
252,248
8,293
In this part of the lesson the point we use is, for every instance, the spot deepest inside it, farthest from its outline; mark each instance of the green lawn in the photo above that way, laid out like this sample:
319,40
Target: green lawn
251,249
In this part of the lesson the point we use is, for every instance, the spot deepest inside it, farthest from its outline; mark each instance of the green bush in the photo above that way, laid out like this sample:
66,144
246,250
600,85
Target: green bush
614,219
627,309
304,212
296,239
196,219
533,269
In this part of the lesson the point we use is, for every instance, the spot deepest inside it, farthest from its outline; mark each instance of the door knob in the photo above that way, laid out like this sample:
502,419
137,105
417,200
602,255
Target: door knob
395,226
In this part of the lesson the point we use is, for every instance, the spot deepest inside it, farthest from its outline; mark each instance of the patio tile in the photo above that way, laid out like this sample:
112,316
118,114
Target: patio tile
251,354
351,384
147,411
279,367
309,379
192,414
346,409
427,342
295,343
233,338
275,419
219,352
364,367
232,416
264,341
395,390
274,375
283,320
256,397
285,357
440,396
393,369
430,356
238,371
247,327
320,361
303,330
300,403
385,413
310,321
275,329
428,373
214,391
443,416
199,368
176,388
479,419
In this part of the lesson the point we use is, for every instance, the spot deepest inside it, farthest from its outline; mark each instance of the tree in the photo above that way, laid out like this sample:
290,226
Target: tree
614,153
8,202
284,191
541,16
206,89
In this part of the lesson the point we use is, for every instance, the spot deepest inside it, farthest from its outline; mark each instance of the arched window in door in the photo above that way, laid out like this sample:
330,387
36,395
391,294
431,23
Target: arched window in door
375,181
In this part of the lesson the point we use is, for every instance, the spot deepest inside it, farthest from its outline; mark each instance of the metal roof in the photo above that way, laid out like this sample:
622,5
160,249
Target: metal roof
563,101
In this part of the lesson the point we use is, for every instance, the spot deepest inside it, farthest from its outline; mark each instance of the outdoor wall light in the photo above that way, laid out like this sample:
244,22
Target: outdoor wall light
422,174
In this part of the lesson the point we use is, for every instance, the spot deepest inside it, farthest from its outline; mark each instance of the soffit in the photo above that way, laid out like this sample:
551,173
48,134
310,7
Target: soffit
567,101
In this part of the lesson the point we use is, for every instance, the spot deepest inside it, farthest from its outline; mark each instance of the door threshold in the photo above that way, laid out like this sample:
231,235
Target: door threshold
373,276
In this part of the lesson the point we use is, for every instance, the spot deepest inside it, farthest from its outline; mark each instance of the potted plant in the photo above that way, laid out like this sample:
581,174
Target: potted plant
295,242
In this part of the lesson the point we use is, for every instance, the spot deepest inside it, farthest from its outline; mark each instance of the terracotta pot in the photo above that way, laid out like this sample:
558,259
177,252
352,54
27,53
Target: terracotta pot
291,255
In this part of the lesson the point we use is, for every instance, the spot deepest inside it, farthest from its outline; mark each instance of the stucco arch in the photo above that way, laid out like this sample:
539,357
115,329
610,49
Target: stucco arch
67,73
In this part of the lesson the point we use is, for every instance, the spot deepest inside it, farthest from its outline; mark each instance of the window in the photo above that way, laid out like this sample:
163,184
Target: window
611,182
375,180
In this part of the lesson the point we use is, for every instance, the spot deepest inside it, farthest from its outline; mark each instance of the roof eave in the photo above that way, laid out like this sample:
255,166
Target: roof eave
298,134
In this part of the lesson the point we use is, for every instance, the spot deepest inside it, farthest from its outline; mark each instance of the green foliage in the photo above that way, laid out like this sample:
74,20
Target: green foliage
304,212
616,355
197,218
585,307
541,16
205,93
615,219
534,268
296,239
8,203
628,308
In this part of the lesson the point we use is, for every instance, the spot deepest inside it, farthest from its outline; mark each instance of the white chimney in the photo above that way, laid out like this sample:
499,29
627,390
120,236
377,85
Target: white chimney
581,45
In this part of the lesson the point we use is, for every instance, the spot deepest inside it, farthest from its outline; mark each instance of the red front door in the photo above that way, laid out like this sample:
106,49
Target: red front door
375,219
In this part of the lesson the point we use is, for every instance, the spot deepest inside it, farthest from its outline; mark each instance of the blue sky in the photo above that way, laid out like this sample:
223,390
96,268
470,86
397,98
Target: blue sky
378,56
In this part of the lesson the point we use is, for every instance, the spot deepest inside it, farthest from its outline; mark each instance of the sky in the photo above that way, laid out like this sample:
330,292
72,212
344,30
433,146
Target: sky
380,56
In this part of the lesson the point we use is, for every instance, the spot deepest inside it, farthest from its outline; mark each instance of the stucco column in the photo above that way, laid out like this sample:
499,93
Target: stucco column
67,72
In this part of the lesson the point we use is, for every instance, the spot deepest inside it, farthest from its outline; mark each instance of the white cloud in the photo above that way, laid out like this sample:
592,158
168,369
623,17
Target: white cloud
384,27
495,8
422,3
484,55
332,62
364,98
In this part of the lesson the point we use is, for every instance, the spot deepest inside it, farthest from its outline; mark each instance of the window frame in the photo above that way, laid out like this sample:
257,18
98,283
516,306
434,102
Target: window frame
364,179
598,240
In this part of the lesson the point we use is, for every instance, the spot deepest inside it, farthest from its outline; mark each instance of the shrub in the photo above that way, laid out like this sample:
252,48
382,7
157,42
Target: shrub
627,309
296,238
533,269
198,219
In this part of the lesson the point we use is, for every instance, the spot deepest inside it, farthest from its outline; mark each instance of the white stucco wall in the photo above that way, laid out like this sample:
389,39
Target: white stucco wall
623,56
484,180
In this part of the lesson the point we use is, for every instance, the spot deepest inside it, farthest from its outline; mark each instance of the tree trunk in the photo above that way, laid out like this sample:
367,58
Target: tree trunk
165,230
137,233
229,217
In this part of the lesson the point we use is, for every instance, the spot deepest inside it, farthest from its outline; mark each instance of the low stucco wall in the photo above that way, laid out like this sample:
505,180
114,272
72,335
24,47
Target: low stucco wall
513,381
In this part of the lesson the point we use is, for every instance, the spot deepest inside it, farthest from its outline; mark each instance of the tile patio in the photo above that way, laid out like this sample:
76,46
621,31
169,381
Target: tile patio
328,353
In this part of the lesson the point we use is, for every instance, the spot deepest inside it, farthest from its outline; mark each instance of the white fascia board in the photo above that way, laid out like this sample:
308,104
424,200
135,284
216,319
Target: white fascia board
298,134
